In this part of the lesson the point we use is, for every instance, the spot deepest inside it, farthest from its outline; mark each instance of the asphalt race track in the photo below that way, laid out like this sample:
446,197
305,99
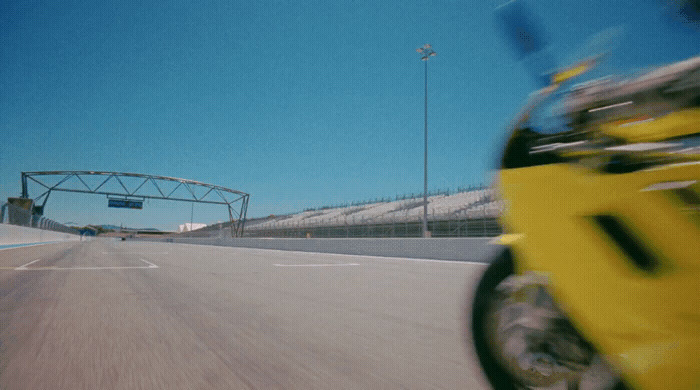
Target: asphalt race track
139,315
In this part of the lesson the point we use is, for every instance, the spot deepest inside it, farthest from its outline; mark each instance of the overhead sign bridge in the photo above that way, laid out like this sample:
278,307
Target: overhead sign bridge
129,190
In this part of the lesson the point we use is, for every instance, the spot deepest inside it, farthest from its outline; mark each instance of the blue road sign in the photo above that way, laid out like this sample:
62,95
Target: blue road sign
125,203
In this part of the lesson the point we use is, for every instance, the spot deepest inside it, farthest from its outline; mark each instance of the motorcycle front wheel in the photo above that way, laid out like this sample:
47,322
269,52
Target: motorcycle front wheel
523,341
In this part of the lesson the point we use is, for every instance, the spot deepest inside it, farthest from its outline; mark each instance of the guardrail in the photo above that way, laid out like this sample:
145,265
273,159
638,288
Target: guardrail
14,215
458,249
477,227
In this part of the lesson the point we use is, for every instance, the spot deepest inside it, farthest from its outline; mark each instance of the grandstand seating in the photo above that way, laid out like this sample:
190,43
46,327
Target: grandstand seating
474,204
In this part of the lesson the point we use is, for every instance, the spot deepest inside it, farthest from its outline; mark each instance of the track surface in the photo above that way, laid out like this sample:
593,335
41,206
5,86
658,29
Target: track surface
138,315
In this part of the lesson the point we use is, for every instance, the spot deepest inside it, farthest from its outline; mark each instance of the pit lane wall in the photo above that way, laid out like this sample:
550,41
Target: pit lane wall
476,249
12,235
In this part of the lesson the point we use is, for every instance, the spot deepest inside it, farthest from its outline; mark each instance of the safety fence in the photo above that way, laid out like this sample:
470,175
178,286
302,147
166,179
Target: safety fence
471,227
15,215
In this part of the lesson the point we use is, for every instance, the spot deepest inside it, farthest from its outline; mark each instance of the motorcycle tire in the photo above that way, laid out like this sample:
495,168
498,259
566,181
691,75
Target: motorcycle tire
499,269
498,376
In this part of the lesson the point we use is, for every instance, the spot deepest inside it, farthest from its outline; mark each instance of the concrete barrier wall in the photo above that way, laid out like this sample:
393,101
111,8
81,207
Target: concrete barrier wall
461,248
12,235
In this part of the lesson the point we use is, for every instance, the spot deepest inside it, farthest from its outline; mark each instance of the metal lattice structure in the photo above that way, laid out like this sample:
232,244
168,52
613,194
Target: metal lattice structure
142,187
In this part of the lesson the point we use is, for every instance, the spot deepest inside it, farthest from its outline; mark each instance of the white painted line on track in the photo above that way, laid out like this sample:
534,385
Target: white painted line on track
150,265
24,267
134,253
314,265
79,268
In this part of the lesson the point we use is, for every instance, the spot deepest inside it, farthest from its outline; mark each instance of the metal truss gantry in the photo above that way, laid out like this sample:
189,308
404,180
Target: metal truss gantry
158,189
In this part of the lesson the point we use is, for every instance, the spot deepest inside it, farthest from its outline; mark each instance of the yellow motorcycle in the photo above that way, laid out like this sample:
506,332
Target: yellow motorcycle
597,285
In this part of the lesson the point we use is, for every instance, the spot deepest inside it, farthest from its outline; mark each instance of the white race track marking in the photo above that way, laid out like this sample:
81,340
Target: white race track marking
134,253
150,265
24,267
314,265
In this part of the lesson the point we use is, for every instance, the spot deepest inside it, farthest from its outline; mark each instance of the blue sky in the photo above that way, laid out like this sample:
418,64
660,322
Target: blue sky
300,104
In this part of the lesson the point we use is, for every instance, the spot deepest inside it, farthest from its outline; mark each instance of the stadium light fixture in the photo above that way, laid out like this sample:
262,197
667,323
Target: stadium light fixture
425,53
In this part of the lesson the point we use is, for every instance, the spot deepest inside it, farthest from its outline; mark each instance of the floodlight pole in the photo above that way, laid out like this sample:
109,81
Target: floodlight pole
425,52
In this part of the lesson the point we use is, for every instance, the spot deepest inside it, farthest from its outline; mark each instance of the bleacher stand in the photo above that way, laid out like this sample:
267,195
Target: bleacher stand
465,213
